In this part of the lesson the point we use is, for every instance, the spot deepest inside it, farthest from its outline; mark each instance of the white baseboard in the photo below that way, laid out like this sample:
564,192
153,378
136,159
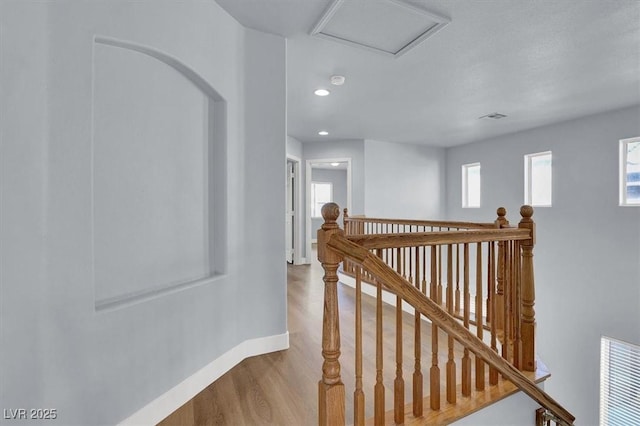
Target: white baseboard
387,297
165,404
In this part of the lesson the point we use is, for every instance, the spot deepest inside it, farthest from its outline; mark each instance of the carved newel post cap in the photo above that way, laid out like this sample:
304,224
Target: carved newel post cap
345,212
502,212
526,212
330,212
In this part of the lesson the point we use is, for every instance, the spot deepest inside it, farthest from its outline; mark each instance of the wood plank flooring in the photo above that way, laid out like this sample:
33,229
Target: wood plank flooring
281,388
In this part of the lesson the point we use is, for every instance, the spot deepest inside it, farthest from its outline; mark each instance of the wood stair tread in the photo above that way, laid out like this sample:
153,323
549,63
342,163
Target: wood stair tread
465,406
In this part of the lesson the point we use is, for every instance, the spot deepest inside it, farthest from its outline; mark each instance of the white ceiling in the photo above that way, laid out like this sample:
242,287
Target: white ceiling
342,165
537,61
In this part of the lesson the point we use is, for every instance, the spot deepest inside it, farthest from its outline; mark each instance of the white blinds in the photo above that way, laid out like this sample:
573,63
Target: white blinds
619,383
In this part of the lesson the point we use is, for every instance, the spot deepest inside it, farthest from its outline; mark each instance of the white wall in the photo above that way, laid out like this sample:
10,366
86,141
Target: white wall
587,257
515,410
58,351
353,149
294,147
404,181
263,292
23,156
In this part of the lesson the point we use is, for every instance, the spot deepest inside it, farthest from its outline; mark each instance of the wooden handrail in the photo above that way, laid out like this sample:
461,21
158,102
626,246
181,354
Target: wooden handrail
419,222
440,318
414,239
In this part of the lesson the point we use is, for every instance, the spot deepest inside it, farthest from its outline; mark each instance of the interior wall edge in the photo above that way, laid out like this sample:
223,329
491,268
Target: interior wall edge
167,403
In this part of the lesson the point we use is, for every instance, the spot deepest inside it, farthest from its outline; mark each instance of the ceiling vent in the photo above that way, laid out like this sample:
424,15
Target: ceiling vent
493,116
390,27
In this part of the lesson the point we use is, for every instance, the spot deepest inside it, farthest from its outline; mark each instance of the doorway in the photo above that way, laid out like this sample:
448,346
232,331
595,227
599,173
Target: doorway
327,179
293,207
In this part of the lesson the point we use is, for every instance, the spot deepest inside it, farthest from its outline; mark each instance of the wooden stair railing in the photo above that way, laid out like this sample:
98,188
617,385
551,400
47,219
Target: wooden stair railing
509,262
362,225
361,228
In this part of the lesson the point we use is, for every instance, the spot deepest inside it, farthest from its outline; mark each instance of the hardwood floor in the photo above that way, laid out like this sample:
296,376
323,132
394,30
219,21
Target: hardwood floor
281,388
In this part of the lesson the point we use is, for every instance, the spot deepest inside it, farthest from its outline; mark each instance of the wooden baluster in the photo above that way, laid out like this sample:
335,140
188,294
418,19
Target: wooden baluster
392,257
440,251
358,394
493,373
434,373
451,364
424,270
331,395
466,360
528,328
410,258
506,344
406,259
346,267
345,217
457,297
417,340
379,387
517,310
501,222
398,384
479,320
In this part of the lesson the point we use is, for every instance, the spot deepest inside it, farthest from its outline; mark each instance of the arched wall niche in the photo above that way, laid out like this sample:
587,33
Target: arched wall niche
158,175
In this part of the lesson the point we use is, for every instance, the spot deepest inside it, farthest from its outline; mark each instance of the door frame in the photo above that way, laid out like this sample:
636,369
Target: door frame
308,194
297,210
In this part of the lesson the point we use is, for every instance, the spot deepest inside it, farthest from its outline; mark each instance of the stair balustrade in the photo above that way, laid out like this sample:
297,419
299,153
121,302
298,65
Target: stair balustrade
470,284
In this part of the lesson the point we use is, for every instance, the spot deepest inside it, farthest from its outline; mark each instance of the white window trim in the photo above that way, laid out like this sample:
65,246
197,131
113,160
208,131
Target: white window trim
465,182
313,201
528,178
623,172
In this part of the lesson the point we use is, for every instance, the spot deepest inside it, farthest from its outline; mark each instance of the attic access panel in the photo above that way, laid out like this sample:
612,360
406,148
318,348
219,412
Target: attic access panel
390,27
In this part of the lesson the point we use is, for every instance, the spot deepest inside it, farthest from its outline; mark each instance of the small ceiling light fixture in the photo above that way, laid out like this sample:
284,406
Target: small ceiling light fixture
337,80
335,164
493,116
323,133
321,92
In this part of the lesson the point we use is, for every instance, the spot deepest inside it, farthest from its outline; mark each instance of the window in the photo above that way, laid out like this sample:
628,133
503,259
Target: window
537,179
471,185
630,172
321,193
619,383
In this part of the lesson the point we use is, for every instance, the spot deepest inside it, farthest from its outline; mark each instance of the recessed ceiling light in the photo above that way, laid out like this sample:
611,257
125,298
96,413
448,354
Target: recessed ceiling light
321,92
335,164
323,133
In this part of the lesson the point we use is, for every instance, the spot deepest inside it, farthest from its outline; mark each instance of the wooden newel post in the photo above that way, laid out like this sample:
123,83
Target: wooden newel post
528,316
331,397
501,222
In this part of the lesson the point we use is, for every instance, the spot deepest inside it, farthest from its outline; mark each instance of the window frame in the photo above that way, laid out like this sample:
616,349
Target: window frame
313,197
528,178
623,201
465,185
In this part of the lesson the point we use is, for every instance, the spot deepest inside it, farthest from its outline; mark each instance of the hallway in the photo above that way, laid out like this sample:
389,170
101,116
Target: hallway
280,388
